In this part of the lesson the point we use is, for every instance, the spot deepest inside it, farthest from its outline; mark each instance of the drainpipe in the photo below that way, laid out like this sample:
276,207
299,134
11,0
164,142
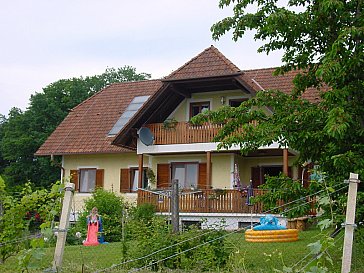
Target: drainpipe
63,171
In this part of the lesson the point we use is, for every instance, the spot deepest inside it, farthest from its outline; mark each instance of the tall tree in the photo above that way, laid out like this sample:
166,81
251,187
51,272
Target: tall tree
324,39
22,133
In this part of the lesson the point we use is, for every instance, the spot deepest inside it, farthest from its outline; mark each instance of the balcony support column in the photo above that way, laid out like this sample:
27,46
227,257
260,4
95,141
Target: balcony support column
285,161
140,172
208,170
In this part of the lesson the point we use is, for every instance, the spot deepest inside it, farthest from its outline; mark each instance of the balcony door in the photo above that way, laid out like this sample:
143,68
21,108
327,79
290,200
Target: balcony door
259,173
186,173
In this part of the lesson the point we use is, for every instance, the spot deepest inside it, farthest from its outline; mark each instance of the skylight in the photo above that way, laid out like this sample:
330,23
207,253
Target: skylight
132,108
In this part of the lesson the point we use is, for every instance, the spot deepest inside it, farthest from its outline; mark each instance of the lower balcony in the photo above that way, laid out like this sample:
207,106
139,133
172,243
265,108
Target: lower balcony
202,201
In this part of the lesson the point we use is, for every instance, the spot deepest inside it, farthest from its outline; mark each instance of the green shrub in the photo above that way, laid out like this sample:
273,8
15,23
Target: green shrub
110,208
197,250
144,212
282,188
24,214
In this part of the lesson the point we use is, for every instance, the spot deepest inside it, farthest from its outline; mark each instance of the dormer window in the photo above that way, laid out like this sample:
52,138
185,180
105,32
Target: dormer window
198,107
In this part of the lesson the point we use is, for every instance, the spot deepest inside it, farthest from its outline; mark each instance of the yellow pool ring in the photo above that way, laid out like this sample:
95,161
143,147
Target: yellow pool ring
265,236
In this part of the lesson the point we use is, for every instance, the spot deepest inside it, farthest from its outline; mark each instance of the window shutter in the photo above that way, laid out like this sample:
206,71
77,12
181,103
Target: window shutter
74,178
290,171
202,177
99,178
163,175
125,180
256,176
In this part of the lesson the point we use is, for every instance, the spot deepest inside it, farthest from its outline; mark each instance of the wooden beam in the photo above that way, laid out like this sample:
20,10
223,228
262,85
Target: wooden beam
175,90
140,168
208,170
285,161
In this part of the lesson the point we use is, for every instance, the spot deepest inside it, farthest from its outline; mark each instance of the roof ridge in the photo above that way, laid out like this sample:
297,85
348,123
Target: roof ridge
187,63
89,98
259,69
110,85
214,53
225,59
128,82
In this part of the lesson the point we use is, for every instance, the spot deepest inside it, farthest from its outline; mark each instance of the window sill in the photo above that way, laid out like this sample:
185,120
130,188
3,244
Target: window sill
83,193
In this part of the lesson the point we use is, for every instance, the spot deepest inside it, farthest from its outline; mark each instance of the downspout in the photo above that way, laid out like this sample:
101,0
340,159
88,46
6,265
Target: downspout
63,171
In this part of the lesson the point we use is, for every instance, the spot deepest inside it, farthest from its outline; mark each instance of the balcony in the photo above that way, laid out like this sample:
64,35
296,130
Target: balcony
183,133
203,201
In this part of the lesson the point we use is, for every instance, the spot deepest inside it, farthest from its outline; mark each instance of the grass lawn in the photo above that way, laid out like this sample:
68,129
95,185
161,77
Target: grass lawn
245,257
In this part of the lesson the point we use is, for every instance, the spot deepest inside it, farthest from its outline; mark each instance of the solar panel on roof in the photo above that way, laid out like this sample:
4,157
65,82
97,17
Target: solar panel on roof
130,111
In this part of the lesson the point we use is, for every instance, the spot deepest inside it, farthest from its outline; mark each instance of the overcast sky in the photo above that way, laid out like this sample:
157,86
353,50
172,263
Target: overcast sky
44,41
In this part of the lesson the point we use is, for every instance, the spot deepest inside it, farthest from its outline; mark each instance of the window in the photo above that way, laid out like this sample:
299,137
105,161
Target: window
134,176
188,224
86,180
258,174
129,179
236,102
198,107
186,173
132,108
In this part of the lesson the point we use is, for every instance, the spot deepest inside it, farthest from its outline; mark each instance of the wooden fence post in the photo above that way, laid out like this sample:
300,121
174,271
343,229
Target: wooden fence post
63,226
175,206
349,222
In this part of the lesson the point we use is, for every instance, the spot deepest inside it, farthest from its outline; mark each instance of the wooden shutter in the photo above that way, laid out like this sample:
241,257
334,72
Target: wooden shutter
202,177
163,175
256,176
99,178
289,171
125,180
74,178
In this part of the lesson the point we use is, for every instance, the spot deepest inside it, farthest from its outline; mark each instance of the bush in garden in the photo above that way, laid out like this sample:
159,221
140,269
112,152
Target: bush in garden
23,215
110,207
202,250
284,189
144,212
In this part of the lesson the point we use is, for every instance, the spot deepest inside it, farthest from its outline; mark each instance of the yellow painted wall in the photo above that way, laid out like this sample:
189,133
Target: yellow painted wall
221,170
182,111
110,163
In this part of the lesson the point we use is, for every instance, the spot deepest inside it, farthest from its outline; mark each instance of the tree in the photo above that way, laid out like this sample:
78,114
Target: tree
22,133
324,40
3,163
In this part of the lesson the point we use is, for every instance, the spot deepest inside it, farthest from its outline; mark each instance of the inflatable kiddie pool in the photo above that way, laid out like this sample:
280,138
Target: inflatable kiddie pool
270,231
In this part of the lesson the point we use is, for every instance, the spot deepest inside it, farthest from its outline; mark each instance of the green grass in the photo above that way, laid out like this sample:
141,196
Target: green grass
245,257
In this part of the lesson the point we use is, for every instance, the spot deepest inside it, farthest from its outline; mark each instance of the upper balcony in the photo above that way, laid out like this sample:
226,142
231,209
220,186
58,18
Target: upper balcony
183,133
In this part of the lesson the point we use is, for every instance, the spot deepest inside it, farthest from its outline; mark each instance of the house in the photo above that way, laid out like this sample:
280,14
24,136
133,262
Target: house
101,140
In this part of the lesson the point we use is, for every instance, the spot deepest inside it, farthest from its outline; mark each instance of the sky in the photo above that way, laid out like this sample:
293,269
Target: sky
44,41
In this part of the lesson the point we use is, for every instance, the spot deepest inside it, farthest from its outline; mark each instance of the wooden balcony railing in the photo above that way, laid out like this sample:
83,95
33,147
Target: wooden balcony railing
183,133
218,201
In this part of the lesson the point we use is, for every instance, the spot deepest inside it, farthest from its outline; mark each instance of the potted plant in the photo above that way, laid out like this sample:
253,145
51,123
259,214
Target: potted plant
170,123
151,177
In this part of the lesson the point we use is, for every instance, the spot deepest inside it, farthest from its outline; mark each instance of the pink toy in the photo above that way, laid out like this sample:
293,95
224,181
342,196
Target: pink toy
92,229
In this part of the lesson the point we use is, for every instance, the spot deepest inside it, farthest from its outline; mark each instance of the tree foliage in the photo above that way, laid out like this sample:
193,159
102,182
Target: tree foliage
324,40
22,132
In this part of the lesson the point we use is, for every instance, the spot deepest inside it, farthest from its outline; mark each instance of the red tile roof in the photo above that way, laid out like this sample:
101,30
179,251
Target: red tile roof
263,79
85,129
209,63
